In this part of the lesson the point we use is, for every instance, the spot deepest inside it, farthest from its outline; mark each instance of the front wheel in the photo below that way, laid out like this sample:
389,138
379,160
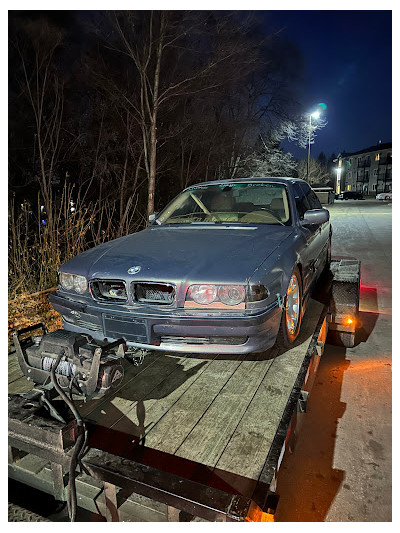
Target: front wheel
289,328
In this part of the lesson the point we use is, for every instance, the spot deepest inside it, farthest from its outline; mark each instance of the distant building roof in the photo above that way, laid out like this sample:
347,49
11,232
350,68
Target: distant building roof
376,148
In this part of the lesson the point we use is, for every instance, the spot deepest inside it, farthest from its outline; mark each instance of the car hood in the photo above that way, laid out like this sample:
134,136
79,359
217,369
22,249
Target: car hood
223,254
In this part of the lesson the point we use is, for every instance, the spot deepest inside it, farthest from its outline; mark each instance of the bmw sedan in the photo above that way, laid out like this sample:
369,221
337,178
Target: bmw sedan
226,267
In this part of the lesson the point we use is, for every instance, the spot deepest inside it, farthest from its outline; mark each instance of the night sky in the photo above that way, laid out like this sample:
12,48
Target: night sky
348,66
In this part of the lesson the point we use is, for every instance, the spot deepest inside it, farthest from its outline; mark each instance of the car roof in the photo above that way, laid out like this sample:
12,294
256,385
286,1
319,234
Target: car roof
262,179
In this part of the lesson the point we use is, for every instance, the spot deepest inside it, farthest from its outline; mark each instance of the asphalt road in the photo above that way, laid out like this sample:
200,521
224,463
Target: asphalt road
341,468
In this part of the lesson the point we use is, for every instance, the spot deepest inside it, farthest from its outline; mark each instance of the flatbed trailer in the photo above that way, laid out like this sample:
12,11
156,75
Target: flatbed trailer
183,437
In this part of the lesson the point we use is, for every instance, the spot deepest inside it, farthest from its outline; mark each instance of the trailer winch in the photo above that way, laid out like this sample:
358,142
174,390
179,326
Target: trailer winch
84,367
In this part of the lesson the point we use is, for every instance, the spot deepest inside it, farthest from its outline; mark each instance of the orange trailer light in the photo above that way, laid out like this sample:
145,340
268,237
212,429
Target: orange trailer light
255,514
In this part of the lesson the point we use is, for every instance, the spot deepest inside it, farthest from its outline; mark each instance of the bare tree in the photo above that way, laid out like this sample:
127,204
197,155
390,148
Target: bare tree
156,45
43,88
318,173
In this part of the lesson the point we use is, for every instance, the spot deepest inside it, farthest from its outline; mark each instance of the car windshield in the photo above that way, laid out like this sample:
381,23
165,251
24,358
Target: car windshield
239,203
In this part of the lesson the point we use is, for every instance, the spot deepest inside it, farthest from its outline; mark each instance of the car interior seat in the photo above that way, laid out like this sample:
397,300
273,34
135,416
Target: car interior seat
278,208
224,207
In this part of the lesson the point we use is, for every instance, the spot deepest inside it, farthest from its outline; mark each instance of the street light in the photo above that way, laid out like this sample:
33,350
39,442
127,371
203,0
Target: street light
315,115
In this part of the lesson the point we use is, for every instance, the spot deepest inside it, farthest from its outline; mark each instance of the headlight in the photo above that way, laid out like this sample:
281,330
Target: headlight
66,281
80,284
223,296
202,294
231,294
71,282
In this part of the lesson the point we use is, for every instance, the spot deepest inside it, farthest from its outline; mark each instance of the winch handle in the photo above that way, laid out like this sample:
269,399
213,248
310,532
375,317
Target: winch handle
31,328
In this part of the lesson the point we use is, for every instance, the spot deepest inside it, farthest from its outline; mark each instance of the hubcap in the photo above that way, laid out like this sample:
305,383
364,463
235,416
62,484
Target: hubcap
292,305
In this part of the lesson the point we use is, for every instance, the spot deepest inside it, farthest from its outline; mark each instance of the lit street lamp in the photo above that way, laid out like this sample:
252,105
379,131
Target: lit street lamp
315,115
338,160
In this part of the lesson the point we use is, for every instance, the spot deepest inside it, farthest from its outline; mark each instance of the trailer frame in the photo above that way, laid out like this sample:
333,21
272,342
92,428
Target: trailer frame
30,432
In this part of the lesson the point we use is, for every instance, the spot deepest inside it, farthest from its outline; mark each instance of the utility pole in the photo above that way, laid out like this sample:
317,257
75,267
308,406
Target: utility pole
315,115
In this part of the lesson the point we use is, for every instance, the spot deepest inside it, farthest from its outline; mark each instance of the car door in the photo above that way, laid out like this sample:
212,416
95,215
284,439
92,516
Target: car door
311,234
323,230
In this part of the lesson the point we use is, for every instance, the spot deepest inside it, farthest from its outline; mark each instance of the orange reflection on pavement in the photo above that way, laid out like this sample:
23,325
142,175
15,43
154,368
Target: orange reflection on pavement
368,365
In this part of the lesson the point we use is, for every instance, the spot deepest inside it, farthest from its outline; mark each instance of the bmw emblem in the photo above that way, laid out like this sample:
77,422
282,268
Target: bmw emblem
134,270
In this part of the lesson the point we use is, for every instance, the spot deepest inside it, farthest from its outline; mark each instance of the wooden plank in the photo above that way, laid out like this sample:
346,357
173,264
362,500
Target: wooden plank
14,370
139,387
31,463
248,448
206,442
131,372
141,417
20,386
172,429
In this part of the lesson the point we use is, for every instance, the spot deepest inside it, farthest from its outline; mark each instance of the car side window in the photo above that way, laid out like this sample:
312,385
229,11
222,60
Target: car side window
302,204
312,198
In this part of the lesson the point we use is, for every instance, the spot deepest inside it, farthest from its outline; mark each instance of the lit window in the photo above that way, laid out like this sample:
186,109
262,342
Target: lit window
349,187
377,157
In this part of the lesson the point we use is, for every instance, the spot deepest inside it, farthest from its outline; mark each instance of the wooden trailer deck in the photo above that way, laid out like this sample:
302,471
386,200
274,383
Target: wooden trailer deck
221,412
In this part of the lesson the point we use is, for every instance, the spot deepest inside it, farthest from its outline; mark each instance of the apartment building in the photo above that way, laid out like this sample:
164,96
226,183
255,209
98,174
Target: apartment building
368,171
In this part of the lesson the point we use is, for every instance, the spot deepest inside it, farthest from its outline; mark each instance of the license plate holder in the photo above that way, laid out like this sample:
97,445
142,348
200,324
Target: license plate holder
132,329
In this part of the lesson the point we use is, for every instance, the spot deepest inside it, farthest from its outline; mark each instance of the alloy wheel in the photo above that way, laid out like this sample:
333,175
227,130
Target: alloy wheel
292,305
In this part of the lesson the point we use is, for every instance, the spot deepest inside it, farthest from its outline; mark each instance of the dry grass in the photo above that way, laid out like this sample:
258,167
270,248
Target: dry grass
26,310
36,251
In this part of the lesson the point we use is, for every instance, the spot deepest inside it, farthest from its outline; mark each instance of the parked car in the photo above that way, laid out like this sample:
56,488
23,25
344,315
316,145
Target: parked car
351,195
226,267
384,196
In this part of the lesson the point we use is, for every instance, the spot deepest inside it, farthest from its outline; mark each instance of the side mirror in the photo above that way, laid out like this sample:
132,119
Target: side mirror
152,217
315,216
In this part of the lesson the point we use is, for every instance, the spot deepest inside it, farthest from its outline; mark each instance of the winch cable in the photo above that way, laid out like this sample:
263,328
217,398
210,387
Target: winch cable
79,444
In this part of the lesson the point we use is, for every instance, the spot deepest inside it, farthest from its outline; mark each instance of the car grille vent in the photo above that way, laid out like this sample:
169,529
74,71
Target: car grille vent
154,293
88,325
109,290
228,341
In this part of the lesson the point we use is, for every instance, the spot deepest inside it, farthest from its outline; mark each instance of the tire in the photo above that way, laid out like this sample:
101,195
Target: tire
287,334
387,198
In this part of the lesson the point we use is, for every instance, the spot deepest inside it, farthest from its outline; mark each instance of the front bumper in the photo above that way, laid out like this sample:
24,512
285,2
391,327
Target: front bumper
156,330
